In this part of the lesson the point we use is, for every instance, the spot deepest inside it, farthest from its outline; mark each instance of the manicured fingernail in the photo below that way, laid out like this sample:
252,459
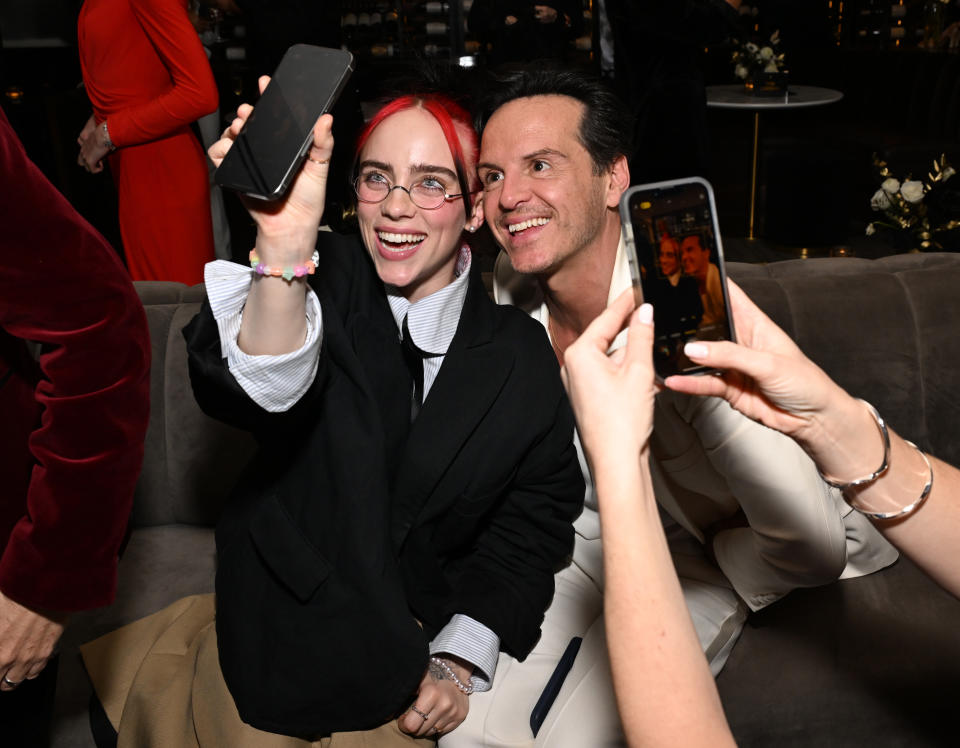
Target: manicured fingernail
695,350
646,314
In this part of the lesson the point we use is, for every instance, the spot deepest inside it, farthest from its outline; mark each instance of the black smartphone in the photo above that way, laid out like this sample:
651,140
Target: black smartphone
676,261
277,135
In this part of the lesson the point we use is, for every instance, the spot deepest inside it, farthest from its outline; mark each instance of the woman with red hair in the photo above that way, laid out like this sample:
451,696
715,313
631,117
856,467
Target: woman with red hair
417,479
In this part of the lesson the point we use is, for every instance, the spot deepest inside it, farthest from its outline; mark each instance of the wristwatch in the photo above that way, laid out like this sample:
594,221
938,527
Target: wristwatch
106,136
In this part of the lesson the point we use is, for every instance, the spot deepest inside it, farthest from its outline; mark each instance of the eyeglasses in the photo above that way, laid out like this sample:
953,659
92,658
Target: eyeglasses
428,193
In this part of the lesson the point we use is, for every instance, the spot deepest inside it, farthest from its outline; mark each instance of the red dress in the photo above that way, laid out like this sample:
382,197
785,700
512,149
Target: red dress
147,75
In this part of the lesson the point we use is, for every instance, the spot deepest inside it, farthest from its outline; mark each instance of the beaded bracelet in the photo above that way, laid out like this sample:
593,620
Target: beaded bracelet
884,465
909,508
288,273
448,671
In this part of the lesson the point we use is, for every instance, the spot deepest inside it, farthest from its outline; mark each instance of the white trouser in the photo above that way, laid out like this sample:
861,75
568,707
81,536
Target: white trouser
585,711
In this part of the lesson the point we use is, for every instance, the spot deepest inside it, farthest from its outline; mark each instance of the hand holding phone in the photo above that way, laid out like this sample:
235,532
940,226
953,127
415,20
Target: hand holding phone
274,140
296,218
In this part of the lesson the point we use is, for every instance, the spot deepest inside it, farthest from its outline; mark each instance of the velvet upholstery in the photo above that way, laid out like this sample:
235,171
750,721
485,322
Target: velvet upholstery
874,660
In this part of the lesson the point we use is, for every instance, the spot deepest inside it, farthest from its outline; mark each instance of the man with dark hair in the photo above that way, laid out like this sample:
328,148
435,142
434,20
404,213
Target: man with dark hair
748,519
604,124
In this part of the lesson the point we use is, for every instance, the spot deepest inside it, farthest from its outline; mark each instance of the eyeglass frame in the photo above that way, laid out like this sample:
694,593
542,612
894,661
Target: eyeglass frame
446,197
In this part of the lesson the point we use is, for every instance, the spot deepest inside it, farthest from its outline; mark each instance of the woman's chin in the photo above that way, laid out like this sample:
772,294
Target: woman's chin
395,275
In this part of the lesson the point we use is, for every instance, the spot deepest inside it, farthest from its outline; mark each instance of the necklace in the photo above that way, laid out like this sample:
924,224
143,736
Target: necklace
553,340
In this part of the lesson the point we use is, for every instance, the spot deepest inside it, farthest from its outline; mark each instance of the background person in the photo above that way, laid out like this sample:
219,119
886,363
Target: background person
148,78
74,405
524,30
398,528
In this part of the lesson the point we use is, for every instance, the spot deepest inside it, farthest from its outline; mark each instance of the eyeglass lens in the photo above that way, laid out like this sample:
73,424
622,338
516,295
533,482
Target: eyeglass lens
424,194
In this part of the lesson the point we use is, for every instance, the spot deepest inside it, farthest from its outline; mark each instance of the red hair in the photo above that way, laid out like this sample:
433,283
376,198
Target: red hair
448,115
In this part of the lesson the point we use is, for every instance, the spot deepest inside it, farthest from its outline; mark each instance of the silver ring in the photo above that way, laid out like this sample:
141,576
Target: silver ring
12,684
423,716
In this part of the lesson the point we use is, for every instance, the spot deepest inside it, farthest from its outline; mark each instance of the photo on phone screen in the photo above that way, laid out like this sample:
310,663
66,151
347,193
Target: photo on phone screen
676,260
276,137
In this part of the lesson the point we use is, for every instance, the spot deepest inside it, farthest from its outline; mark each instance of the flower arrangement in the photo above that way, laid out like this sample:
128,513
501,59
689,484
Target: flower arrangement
750,59
923,209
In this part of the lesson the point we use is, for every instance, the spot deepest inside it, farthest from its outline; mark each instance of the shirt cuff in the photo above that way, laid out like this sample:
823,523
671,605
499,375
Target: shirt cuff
470,640
275,383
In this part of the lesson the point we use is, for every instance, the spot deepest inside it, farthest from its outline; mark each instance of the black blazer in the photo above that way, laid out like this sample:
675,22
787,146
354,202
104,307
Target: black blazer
351,525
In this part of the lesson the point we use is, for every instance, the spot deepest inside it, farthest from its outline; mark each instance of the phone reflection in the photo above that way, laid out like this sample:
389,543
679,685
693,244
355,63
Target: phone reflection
676,251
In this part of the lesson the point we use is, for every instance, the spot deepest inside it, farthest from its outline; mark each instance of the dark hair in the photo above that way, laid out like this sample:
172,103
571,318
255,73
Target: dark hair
606,126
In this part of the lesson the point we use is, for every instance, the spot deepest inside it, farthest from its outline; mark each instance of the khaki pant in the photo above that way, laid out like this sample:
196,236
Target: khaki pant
160,684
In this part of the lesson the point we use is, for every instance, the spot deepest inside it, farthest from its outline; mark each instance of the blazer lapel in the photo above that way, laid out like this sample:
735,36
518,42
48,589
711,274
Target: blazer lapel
473,372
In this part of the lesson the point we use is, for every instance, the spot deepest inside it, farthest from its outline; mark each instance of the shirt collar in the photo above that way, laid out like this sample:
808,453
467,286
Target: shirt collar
433,320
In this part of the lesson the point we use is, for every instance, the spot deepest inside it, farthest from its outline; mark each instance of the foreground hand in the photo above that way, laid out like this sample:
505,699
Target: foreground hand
27,639
299,213
767,377
612,396
440,706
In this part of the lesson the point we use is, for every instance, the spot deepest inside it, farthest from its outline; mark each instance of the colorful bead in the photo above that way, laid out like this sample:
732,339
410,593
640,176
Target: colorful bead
288,273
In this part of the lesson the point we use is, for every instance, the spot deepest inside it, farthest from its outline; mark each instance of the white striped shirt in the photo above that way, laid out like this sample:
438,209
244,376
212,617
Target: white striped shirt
276,383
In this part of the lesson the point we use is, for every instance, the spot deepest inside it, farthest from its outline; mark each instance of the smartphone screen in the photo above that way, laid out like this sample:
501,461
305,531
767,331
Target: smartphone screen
277,135
676,262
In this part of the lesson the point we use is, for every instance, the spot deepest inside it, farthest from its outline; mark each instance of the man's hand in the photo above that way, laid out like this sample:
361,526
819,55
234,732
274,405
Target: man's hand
27,639
440,706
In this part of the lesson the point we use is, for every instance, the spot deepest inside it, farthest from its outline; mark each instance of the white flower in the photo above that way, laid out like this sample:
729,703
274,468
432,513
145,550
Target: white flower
766,53
948,172
741,71
880,201
751,48
871,229
891,186
771,67
775,38
912,191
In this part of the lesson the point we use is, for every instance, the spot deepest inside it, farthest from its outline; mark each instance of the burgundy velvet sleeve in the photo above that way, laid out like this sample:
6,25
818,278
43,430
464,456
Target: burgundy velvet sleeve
193,93
62,286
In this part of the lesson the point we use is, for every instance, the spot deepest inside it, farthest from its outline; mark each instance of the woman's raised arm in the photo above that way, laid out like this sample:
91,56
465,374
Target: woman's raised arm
274,318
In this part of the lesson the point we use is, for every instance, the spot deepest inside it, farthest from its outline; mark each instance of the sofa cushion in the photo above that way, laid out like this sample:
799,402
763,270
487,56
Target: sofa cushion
883,329
867,661
191,461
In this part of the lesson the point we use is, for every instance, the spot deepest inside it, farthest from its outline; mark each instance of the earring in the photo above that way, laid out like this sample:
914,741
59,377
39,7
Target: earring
471,229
